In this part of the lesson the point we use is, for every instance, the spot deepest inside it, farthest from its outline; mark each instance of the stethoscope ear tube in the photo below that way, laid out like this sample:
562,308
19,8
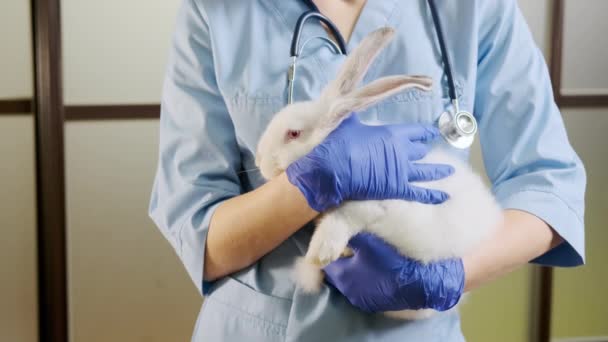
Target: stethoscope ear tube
295,49
444,51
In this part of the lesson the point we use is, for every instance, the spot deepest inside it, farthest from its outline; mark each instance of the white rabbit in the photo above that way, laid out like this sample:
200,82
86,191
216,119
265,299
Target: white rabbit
420,231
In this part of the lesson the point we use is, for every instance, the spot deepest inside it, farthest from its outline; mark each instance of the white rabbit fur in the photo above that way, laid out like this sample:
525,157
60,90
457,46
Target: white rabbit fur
420,231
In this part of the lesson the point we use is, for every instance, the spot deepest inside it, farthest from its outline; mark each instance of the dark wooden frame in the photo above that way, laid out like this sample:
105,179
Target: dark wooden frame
112,112
16,106
50,176
556,66
541,296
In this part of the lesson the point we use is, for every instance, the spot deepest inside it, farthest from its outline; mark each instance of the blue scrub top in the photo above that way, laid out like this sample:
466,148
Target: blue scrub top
227,75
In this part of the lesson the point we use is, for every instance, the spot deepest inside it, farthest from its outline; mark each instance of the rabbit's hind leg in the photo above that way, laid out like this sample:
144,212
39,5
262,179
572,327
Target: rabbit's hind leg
331,237
328,243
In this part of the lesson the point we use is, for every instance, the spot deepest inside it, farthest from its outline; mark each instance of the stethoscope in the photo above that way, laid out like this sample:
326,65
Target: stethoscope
457,126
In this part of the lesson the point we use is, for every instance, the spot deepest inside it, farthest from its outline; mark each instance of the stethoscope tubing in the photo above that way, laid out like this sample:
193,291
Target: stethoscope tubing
444,51
315,13
458,127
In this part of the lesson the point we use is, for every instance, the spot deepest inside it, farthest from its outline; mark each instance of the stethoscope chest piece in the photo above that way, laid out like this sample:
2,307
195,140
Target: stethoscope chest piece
458,129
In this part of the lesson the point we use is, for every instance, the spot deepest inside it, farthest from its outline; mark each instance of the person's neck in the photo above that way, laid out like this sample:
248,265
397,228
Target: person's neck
343,13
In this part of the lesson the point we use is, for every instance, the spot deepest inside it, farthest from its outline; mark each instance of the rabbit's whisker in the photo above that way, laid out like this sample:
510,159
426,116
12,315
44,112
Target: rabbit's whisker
246,171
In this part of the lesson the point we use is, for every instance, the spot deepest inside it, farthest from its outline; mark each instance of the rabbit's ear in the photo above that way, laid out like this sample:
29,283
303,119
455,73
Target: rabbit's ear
375,92
358,61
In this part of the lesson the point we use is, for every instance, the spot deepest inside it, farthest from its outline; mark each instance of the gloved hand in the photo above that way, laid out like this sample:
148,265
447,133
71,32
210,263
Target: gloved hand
360,162
377,278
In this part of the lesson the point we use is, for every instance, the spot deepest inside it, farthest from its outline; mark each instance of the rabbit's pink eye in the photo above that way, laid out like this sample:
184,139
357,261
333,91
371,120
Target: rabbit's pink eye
293,134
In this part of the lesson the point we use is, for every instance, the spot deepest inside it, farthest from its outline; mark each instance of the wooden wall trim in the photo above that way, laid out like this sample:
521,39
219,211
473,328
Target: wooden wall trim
50,176
16,106
86,112
545,304
557,47
112,112
586,101
541,297
557,28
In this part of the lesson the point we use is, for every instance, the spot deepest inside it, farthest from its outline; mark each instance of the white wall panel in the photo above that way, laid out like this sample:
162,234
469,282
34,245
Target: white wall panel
16,75
18,279
585,59
125,282
115,51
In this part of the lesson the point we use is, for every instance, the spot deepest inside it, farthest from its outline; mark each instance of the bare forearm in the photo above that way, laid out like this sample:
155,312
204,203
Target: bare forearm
246,227
521,238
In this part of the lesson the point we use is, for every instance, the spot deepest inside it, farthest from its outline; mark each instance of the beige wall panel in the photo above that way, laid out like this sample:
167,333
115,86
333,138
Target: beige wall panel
580,298
125,282
18,273
115,51
15,49
499,311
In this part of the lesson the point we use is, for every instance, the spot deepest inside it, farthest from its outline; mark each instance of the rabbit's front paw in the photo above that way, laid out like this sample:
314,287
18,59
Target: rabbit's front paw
330,239
347,253
332,250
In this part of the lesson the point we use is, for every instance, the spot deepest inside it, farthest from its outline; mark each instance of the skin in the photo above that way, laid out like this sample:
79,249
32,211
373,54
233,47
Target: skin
343,13
274,211
277,209
521,238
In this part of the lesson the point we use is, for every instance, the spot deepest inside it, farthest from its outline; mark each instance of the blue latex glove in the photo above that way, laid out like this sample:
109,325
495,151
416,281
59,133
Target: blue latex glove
360,162
377,278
